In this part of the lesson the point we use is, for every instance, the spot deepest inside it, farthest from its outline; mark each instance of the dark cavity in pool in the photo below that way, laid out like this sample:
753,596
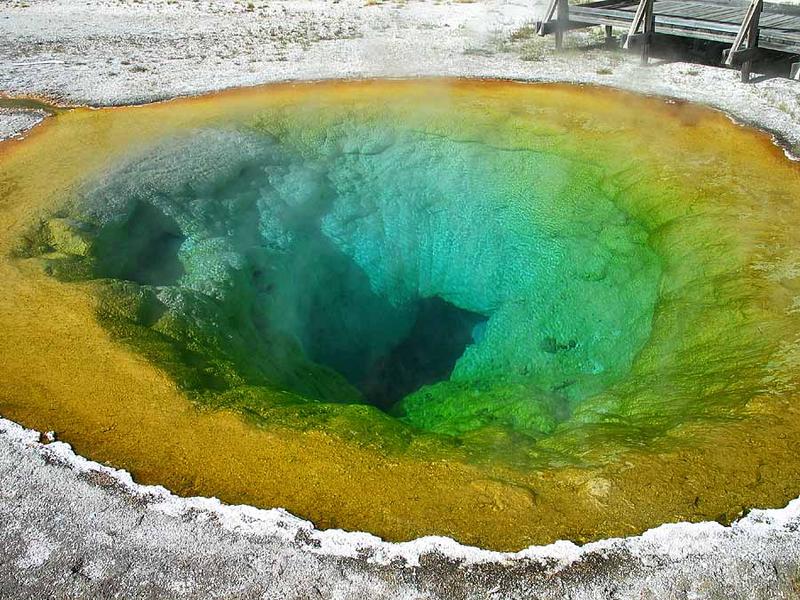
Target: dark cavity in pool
426,355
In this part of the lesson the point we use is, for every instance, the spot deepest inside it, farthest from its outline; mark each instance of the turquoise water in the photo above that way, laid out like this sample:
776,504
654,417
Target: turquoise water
373,258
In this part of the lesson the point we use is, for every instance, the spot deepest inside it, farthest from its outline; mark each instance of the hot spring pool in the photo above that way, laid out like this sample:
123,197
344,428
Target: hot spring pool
501,312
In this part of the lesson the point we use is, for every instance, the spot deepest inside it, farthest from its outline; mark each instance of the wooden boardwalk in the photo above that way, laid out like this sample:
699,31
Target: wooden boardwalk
748,26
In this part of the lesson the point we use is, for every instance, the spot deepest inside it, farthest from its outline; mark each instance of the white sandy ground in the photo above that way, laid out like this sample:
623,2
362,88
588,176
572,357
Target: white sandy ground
103,52
14,123
72,528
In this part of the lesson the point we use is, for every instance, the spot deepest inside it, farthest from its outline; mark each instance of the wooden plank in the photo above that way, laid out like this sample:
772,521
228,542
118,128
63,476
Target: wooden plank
716,14
742,56
779,21
607,3
692,24
712,37
552,26
701,16
669,4
781,9
727,15
664,5
617,5
781,35
611,22
730,15
669,9
597,16
692,11
712,9
790,22
613,14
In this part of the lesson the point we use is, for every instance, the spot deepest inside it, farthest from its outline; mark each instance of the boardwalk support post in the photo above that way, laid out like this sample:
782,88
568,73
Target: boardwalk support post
745,45
644,19
610,40
562,21
560,10
649,30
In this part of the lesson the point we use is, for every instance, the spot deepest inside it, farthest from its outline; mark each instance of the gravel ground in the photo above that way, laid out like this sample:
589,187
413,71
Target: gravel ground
109,52
14,123
70,528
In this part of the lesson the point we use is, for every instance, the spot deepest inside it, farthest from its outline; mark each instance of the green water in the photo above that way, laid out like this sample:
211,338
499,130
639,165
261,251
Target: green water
270,271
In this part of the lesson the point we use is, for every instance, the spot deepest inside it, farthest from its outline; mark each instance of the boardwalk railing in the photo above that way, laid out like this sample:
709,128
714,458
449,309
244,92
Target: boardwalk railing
750,27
